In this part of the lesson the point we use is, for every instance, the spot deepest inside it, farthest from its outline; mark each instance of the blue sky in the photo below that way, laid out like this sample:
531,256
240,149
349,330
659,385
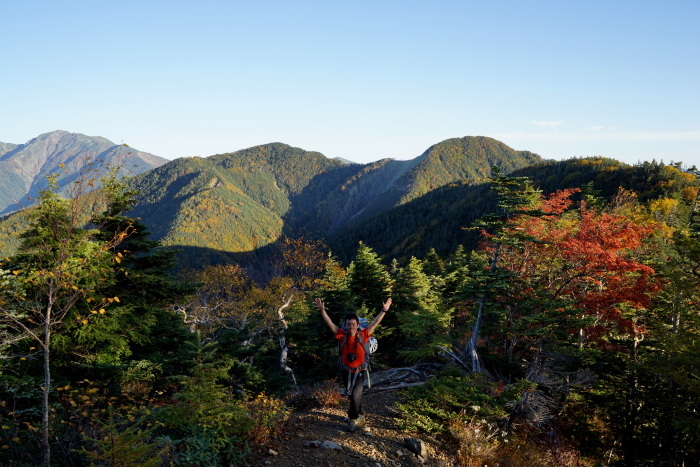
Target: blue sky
359,80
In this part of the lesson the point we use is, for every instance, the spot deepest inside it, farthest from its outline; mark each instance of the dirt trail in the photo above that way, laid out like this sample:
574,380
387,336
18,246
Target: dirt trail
383,446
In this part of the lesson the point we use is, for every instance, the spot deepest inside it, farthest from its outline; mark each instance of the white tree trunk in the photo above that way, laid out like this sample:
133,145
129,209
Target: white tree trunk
45,444
471,352
284,350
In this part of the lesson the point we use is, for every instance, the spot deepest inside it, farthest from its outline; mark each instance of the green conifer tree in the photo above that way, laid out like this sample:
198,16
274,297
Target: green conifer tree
124,441
60,267
209,425
424,321
516,196
140,324
369,281
433,265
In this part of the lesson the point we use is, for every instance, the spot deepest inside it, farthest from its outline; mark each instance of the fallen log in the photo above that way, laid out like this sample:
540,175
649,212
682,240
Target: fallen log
398,378
394,387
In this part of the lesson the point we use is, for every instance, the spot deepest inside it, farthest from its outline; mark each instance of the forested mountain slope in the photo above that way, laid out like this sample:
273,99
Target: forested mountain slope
23,167
242,201
234,207
438,219
464,159
387,184
228,203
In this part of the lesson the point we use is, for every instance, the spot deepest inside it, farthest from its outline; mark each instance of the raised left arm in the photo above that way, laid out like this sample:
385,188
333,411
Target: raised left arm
385,307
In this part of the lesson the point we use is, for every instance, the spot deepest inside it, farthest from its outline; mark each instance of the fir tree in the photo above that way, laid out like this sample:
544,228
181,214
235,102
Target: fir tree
60,266
141,324
424,322
368,279
124,441
515,196
209,424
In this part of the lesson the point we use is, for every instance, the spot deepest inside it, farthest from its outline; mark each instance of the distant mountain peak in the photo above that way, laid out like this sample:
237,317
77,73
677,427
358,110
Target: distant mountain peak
66,138
23,167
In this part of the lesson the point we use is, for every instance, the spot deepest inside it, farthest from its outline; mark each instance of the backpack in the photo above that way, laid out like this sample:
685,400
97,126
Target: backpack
370,347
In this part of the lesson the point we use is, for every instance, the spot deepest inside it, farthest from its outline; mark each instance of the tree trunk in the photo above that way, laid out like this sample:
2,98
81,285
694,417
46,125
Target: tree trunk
284,350
676,325
45,445
474,339
629,447
283,361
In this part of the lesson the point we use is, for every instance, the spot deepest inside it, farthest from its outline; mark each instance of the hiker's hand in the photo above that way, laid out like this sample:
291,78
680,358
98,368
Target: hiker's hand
320,305
386,305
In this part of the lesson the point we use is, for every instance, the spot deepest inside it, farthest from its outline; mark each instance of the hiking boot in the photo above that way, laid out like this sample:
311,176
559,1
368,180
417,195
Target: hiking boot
361,420
352,426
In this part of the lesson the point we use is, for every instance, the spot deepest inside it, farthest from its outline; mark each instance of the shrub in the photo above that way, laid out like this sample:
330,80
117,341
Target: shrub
534,449
138,378
269,415
206,446
477,441
123,440
430,408
326,394
323,394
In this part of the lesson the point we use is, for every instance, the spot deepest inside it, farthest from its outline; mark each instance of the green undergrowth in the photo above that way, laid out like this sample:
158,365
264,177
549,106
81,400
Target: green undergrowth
452,394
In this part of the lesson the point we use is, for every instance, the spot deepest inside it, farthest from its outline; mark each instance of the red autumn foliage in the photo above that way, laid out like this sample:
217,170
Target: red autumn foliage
589,258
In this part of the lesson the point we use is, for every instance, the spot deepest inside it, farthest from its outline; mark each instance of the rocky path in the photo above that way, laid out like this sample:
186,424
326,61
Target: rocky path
318,438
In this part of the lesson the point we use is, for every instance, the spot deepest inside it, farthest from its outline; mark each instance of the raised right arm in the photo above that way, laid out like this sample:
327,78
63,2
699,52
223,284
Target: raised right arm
324,315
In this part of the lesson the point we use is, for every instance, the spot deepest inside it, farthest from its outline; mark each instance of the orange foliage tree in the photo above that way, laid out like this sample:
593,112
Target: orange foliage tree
590,260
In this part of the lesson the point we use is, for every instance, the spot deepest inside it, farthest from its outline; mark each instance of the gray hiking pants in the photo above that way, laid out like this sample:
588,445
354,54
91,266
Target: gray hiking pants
355,396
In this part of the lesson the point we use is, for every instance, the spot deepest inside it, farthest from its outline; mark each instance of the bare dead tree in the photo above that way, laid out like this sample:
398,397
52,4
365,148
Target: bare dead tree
284,349
448,353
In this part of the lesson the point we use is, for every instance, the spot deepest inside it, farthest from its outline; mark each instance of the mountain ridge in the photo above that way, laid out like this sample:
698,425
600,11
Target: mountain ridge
236,207
248,199
240,204
23,167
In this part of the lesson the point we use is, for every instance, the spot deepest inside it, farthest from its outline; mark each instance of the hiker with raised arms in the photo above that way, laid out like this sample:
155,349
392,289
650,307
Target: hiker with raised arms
353,345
